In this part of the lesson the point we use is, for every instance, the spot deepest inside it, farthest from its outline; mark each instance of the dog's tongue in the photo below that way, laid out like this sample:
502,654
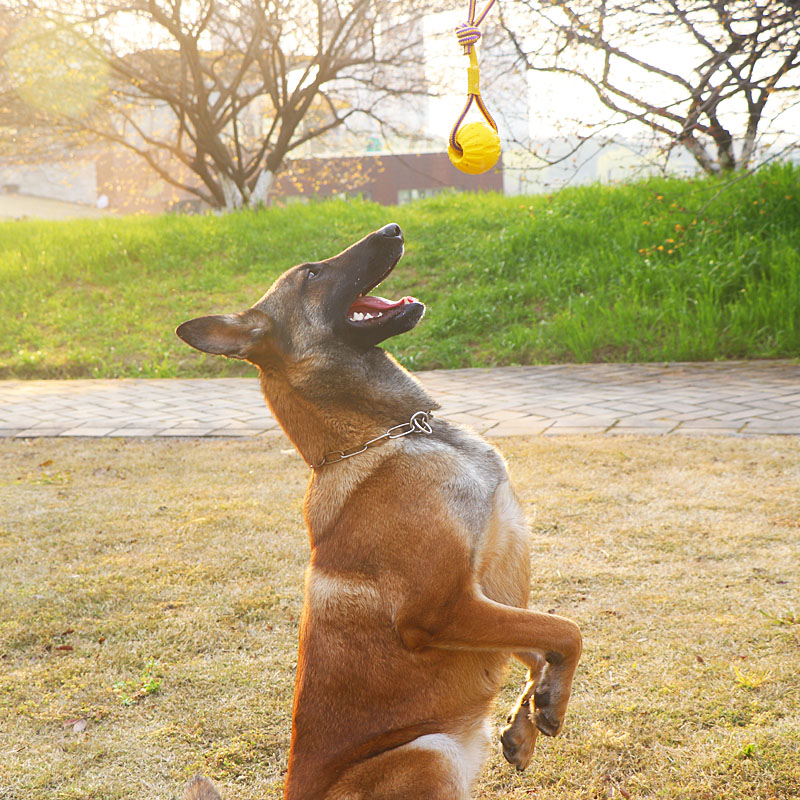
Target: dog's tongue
371,303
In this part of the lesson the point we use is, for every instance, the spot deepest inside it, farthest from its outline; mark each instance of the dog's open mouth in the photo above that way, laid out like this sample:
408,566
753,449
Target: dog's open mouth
372,310
370,319
369,310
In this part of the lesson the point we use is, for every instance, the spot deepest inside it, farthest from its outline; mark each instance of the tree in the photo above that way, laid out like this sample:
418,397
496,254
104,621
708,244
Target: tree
47,77
213,95
709,92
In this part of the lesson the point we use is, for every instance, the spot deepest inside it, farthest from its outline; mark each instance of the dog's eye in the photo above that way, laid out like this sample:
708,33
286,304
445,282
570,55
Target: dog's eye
312,273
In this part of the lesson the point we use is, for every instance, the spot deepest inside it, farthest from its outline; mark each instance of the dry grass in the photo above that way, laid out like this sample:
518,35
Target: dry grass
152,590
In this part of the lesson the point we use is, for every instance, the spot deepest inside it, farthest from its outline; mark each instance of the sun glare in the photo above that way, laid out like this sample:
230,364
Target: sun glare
55,69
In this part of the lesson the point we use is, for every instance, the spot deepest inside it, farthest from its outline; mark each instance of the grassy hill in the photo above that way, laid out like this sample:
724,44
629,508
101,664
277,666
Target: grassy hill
659,270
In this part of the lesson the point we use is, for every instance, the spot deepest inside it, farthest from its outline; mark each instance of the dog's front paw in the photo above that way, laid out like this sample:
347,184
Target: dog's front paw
546,723
518,738
550,699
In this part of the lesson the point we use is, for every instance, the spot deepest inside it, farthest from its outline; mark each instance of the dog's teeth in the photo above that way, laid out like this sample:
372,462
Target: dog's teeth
360,316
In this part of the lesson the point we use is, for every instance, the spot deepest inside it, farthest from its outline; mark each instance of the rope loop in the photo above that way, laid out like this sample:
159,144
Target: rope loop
468,35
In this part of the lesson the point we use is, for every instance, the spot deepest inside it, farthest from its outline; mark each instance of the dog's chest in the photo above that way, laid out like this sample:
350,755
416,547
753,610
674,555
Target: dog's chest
341,596
406,493
331,488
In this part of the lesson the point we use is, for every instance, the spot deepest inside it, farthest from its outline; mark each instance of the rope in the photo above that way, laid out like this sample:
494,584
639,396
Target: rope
472,23
468,34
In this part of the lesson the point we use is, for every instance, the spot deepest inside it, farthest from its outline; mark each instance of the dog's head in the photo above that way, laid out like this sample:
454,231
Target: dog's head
313,308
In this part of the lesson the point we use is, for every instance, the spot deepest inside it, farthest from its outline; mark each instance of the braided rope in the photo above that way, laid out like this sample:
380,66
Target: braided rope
467,35
469,29
453,143
485,11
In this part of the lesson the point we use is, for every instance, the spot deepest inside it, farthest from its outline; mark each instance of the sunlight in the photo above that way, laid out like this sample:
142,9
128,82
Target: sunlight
55,69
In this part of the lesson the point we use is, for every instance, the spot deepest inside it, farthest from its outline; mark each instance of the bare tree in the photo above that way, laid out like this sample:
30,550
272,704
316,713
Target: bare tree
215,95
709,91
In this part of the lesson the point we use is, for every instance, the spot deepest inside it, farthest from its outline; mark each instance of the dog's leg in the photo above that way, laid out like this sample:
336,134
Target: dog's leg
519,736
474,622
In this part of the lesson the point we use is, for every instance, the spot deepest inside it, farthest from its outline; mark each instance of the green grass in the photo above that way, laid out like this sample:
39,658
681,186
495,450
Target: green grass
660,270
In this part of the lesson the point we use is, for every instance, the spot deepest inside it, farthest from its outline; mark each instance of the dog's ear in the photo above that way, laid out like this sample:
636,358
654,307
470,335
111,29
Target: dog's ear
231,335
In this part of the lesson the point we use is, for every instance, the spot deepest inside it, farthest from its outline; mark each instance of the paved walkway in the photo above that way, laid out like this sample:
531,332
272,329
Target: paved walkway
735,398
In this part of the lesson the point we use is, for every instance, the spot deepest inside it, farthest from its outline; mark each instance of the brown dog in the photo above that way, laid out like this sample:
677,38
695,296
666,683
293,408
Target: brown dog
419,576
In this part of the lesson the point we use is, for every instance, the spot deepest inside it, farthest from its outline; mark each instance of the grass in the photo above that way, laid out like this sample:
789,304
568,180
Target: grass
660,270
151,593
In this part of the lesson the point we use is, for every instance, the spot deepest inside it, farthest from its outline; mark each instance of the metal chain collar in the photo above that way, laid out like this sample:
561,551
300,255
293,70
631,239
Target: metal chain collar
419,423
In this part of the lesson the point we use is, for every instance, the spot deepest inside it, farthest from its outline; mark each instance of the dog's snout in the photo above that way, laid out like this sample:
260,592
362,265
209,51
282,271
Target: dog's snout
391,230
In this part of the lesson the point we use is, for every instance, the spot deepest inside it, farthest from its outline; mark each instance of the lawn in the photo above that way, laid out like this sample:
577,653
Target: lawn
151,593
660,270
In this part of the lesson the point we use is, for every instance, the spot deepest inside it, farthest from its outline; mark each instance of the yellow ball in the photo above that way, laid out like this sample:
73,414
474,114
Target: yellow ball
480,147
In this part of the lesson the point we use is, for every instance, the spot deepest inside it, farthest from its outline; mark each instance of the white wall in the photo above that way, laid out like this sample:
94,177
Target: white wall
72,181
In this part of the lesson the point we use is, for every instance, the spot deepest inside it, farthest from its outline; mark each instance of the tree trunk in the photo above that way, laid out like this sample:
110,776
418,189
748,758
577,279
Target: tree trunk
699,153
232,193
258,197
724,142
749,143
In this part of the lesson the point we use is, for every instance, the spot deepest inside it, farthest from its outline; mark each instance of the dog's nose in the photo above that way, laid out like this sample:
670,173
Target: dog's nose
392,230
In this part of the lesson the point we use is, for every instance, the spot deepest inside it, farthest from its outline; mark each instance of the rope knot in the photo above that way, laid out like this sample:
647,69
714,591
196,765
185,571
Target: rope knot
467,34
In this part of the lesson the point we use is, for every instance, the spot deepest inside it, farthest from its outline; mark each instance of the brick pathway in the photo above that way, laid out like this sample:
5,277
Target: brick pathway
735,398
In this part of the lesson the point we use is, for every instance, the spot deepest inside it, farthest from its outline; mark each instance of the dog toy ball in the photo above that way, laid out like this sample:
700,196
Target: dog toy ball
475,148
479,148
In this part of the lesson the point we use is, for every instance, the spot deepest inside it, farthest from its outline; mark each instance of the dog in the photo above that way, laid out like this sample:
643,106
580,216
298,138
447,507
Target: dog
419,575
